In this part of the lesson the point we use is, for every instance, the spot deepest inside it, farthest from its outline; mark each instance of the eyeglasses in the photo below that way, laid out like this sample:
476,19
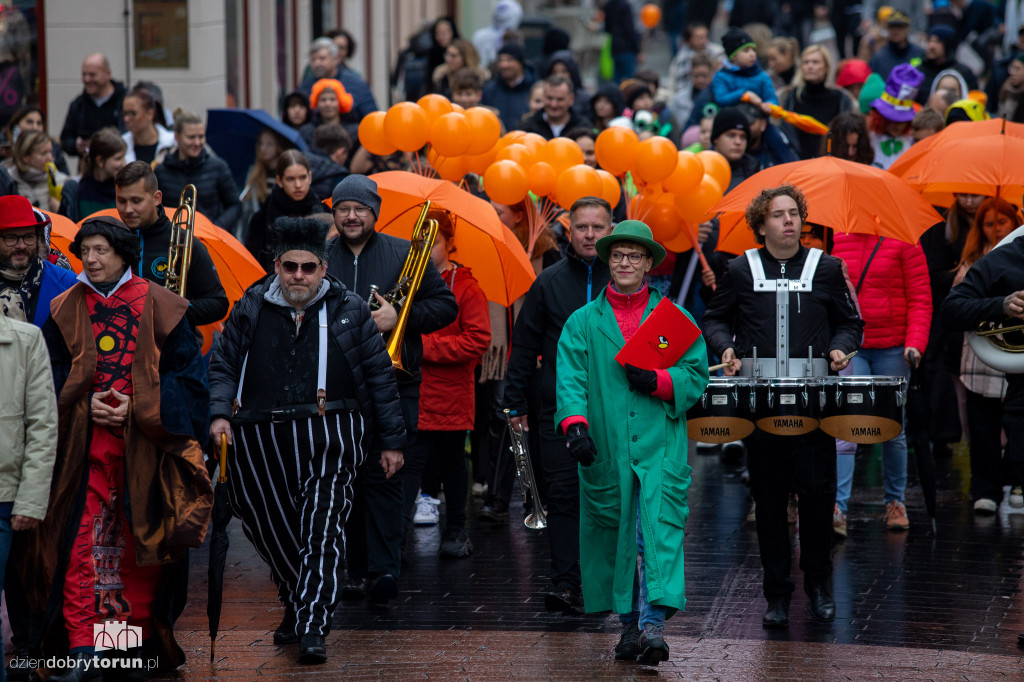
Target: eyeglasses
291,267
11,240
361,211
616,257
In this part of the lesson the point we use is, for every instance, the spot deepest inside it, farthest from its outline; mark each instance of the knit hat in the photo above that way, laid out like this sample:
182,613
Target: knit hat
730,118
897,100
123,240
735,40
345,100
16,211
631,231
946,35
357,188
514,50
852,72
300,234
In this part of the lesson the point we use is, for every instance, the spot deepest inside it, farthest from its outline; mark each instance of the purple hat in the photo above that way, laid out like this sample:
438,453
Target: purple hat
897,100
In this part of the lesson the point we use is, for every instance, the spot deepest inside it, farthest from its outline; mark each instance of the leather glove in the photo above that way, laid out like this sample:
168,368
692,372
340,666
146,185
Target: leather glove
580,444
642,380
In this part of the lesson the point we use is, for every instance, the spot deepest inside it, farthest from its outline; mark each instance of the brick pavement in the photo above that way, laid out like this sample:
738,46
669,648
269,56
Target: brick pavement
909,606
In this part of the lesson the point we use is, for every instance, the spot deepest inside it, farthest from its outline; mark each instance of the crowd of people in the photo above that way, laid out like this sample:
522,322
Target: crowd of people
336,457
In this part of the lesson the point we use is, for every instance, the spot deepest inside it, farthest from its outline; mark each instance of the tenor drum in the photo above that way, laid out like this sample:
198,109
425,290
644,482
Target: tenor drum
864,409
724,413
787,406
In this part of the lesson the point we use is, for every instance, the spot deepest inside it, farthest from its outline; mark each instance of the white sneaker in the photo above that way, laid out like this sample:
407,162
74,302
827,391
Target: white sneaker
985,506
426,511
479,489
1017,497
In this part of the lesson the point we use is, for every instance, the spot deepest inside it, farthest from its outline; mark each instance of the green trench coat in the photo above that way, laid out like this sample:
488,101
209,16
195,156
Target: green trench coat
639,438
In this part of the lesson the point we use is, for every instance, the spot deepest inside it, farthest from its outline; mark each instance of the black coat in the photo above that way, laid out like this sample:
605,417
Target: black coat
557,293
207,301
824,318
979,298
85,118
538,124
278,205
326,173
216,192
350,327
380,262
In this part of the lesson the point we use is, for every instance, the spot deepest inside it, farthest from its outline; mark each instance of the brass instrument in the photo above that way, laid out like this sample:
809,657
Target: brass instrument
538,518
179,252
402,294
1000,346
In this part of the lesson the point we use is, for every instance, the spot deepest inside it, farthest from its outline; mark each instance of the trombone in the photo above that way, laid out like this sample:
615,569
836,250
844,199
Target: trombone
538,518
179,253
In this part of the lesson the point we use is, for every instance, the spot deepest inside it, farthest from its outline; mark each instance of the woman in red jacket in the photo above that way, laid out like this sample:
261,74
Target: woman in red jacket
450,356
891,279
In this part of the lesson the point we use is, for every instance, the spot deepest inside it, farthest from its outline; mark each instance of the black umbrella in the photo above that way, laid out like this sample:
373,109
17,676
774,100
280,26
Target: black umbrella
218,547
916,428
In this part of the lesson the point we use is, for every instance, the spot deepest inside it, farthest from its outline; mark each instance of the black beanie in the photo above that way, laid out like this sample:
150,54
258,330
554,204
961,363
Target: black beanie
730,118
947,36
514,50
734,40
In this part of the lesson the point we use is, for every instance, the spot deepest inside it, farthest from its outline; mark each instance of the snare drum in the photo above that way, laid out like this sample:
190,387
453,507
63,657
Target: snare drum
864,409
787,406
724,413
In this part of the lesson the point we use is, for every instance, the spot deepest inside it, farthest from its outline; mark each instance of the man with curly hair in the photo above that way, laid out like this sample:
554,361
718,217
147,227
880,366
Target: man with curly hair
742,317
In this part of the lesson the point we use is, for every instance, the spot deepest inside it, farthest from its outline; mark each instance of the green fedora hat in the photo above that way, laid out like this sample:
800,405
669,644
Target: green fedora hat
631,231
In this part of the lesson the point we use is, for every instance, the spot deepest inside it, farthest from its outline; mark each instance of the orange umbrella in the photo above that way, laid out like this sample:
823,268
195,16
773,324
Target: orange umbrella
482,242
843,195
62,233
236,267
807,124
970,157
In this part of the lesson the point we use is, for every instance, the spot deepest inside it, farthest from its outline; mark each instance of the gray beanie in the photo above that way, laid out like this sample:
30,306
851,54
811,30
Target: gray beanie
357,188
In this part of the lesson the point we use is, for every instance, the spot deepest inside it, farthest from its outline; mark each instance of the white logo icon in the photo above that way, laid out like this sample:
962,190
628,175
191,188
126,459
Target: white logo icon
116,635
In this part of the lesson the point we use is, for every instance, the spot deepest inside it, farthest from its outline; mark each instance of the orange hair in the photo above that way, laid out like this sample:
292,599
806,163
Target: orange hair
345,100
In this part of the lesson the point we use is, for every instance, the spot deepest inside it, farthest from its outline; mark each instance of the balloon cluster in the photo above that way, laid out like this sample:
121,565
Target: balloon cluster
671,190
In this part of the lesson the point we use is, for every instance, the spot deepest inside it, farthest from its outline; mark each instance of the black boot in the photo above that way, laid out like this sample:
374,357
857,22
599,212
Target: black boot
18,669
776,617
312,649
285,632
823,606
628,647
86,667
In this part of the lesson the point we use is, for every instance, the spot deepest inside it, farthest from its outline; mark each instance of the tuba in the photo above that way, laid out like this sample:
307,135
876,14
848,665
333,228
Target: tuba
1000,345
538,519
179,253
402,294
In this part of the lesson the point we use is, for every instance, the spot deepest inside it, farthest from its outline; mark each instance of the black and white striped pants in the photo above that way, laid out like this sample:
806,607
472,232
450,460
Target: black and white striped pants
291,485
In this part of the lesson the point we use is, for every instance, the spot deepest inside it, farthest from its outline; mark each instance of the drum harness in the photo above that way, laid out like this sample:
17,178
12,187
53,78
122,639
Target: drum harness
782,287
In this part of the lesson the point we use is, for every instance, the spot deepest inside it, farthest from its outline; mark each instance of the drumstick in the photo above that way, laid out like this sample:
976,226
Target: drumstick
845,358
721,365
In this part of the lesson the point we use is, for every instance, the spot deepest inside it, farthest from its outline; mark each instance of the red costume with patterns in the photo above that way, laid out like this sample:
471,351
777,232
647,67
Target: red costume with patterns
102,582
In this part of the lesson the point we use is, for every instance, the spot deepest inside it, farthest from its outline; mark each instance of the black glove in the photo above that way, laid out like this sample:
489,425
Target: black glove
580,444
642,380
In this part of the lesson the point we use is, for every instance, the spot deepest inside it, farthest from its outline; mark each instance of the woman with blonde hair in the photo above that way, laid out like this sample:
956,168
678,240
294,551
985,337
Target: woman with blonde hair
812,95
27,167
459,54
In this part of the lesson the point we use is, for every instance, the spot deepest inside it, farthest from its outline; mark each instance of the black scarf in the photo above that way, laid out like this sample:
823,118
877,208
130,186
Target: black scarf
17,299
279,205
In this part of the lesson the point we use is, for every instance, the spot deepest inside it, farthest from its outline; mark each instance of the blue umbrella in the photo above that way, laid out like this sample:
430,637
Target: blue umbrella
232,133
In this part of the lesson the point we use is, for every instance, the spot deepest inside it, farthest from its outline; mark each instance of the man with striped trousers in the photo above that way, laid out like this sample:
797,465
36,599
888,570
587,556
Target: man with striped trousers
302,386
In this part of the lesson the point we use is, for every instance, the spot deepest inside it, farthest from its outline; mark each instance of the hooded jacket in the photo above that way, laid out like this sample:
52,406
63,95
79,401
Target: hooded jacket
582,104
216,192
730,82
450,357
510,101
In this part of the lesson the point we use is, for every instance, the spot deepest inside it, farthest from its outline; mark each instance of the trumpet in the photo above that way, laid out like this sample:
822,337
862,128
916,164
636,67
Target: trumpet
179,253
538,518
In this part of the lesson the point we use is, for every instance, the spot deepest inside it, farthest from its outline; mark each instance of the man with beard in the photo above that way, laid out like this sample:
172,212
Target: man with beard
300,431
361,257
138,204
130,491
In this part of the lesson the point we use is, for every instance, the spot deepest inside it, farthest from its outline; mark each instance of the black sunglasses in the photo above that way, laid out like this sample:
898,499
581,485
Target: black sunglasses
291,267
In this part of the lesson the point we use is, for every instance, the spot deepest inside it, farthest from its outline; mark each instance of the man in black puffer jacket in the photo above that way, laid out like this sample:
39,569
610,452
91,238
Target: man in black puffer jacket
301,430
138,204
361,257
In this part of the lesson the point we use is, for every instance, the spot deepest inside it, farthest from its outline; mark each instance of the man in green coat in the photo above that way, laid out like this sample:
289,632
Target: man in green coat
627,429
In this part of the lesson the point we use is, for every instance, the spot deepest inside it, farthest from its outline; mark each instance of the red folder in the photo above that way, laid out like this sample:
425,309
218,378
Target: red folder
661,340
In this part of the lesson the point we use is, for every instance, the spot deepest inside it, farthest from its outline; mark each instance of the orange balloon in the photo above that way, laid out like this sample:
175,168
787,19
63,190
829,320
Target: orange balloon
371,135
693,207
542,179
458,107
615,149
518,153
681,241
485,128
505,182
534,142
478,163
650,15
450,168
578,181
405,126
561,153
663,219
450,134
717,166
656,158
686,177
434,106
610,190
